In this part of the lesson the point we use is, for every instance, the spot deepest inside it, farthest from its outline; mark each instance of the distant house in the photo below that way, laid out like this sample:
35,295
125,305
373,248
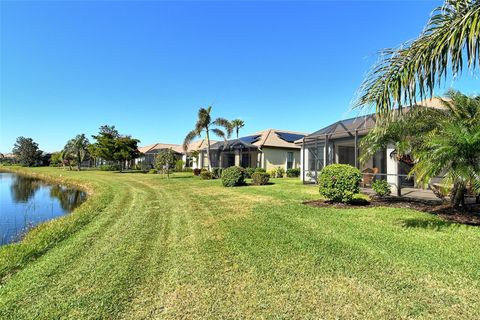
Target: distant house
149,152
266,149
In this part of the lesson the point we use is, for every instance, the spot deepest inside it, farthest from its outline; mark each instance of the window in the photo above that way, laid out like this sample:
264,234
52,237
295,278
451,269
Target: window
289,160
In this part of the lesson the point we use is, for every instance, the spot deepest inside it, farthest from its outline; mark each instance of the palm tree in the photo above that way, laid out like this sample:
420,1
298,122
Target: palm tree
204,124
236,125
77,148
450,40
442,142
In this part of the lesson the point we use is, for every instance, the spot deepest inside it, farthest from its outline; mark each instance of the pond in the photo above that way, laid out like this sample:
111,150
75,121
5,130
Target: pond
25,202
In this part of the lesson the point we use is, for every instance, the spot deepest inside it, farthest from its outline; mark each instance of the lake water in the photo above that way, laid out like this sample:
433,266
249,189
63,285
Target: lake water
26,202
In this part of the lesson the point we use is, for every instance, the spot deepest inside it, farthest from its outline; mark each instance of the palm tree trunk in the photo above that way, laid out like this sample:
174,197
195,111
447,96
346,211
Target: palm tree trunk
457,195
208,149
79,161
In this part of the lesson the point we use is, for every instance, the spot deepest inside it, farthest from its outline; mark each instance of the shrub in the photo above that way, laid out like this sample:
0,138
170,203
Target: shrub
260,170
278,172
260,178
217,172
179,165
381,188
339,182
153,171
110,167
206,175
293,173
233,176
360,199
197,171
249,171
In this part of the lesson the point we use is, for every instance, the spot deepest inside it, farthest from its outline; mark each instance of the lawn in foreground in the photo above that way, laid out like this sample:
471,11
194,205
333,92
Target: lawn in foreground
150,247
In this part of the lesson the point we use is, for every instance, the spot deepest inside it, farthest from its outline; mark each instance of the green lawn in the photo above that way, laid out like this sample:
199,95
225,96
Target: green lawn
146,247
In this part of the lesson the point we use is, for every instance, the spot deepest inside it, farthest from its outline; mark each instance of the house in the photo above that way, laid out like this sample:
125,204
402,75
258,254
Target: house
339,143
149,152
266,149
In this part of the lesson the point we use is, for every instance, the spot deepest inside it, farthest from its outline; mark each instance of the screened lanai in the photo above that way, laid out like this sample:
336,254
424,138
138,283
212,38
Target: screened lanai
339,143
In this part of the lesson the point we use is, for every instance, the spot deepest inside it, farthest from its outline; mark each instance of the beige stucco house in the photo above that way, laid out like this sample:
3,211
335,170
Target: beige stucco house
266,149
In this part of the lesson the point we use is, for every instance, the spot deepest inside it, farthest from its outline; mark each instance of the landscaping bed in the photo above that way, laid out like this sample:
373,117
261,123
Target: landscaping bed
469,215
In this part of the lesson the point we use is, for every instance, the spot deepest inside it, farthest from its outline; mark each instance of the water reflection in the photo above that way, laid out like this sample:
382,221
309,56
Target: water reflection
26,202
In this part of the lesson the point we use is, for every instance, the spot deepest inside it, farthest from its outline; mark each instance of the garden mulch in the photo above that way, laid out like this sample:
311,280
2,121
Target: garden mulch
469,215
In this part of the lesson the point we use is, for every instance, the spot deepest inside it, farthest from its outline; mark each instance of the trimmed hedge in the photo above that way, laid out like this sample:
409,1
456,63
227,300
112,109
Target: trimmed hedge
339,182
110,167
249,171
233,176
260,178
206,175
293,173
381,188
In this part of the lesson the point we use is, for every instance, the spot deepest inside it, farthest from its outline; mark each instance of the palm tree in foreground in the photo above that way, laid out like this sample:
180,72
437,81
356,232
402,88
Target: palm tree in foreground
236,125
205,125
450,40
442,142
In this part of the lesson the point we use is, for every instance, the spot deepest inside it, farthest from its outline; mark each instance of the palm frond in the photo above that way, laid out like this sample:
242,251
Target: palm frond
413,71
189,138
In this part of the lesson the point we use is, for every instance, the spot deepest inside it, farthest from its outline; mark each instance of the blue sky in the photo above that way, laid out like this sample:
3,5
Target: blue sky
68,67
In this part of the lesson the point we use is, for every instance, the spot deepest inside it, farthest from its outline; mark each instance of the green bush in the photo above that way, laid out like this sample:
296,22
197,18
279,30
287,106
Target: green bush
217,172
153,171
381,188
249,171
339,182
360,199
260,170
260,178
206,175
110,167
179,165
278,172
293,173
233,176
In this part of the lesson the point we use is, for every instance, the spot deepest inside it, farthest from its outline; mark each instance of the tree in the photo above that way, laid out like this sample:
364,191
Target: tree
27,152
110,145
77,148
126,149
165,161
105,142
55,159
450,40
441,142
236,125
204,125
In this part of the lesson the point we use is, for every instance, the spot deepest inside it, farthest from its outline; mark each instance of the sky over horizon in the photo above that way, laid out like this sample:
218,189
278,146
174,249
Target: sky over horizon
68,67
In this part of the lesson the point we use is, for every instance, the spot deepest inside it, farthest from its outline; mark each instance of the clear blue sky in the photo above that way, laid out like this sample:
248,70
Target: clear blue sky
68,67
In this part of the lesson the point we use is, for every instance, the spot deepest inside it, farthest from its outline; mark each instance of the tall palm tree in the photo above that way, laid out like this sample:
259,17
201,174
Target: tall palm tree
442,142
450,40
205,125
77,148
236,125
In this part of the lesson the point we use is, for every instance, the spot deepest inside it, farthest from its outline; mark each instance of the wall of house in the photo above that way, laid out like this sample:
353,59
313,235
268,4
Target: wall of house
277,157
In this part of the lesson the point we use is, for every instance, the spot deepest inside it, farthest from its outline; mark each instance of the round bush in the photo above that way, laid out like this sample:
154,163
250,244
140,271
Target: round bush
260,170
339,182
206,175
381,188
153,171
233,176
260,178
249,171
293,173
197,171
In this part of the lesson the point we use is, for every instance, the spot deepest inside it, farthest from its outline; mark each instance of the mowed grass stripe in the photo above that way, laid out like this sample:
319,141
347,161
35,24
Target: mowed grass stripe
187,248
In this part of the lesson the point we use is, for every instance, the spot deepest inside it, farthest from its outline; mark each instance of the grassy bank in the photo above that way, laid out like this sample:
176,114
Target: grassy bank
147,247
